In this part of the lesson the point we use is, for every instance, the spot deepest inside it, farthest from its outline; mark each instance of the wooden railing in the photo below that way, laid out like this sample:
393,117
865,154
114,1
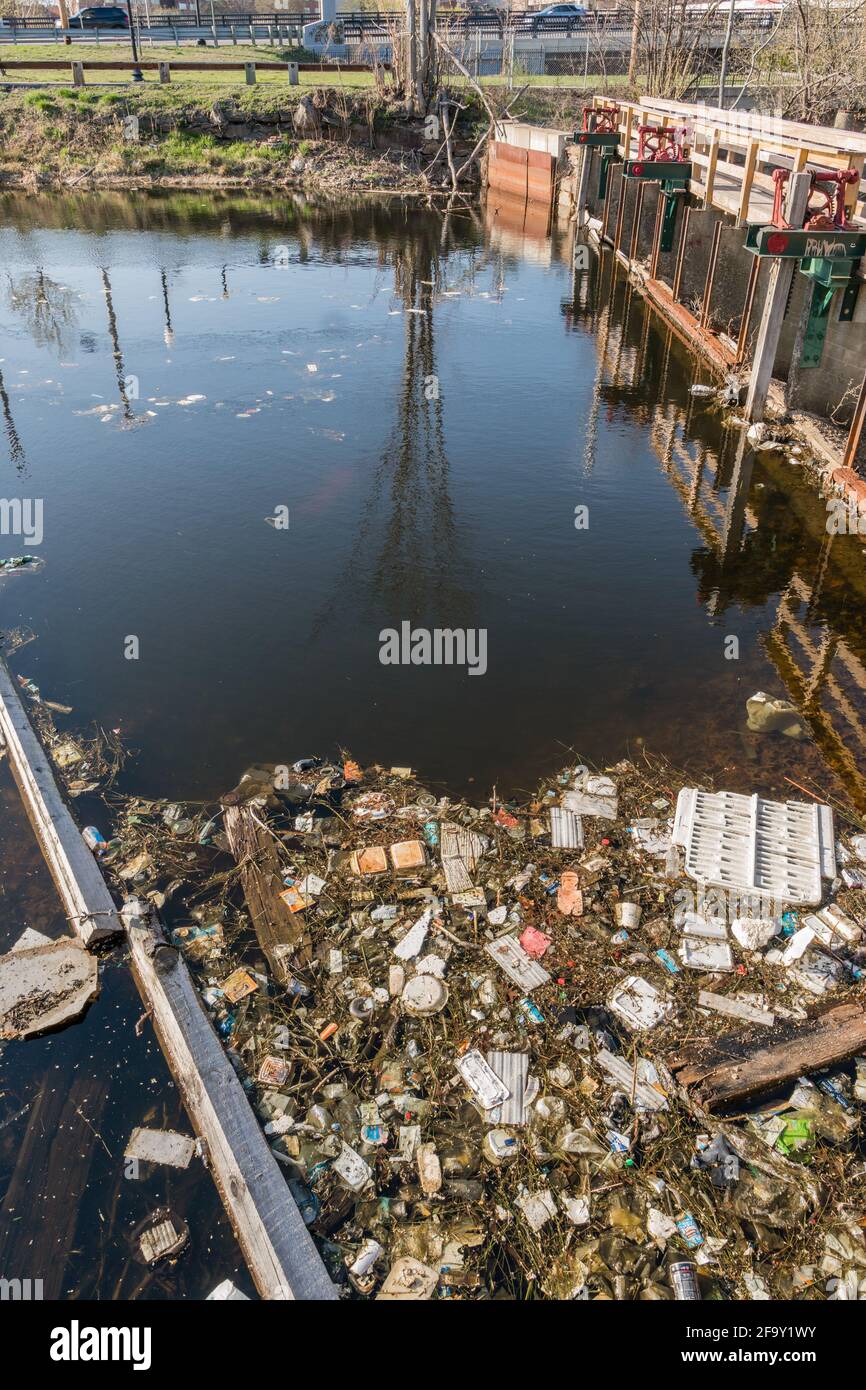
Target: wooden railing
734,152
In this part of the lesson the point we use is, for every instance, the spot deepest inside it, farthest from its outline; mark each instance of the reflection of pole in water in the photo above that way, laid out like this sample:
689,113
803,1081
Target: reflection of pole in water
115,345
414,461
586,302
16,449
734,520
595,403
738,496
412,562
47,308
168,331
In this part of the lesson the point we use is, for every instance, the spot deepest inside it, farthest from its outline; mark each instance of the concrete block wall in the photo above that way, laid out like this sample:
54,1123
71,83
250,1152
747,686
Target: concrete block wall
533,137
822,389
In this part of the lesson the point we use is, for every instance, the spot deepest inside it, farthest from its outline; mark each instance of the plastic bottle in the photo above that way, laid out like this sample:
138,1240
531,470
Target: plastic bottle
94,839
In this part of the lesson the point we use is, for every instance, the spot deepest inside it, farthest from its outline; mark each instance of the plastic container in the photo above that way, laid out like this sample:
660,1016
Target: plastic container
94,839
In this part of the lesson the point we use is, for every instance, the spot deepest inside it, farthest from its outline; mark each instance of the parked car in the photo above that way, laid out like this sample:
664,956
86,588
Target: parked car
562,11
558,12
99,17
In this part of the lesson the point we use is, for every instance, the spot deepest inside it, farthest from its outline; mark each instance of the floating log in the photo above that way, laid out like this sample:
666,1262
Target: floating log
735,1071
252,844
276,1244
73,868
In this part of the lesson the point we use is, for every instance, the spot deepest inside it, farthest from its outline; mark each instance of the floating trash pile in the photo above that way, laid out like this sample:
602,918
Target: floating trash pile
609,1043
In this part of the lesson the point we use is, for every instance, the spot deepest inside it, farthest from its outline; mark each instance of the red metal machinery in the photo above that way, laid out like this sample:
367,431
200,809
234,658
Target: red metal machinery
662,158
827,247
665,144
828,186
602,120
600,132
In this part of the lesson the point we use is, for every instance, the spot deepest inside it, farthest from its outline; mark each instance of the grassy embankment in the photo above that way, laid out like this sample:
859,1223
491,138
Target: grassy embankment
54,134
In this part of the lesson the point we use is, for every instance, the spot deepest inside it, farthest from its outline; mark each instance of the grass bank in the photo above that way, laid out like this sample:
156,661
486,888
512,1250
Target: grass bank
65,136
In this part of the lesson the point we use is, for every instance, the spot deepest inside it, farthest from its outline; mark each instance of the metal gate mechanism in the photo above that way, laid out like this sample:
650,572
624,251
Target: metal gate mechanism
661,156
601,132
827,247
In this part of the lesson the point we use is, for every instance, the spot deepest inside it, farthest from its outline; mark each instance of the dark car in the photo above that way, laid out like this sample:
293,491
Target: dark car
100,17
568,13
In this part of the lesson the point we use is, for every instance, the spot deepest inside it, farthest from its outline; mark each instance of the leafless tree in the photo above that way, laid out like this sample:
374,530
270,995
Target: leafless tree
672,45
817,62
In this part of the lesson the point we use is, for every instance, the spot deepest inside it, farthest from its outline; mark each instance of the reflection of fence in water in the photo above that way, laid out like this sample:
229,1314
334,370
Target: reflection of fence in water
822,676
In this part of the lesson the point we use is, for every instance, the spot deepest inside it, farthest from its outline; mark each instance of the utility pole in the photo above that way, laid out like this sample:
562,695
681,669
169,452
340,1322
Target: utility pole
64,14
723,73
412,56
137,74
635,35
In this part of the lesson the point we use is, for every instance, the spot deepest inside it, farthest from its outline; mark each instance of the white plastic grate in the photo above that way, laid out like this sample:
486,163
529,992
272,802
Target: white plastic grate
777,848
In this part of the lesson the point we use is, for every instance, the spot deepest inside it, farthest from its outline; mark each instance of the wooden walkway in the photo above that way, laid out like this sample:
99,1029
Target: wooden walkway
733,153
276,1244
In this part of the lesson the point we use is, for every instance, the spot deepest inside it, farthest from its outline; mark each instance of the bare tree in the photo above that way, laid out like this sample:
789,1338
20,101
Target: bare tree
817,61
672,45
49,309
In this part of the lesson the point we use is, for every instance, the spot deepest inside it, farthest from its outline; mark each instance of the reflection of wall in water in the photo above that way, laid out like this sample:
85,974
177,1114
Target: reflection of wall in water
744,563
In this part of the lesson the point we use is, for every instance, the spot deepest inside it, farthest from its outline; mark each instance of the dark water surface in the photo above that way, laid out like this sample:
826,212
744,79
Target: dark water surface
469,392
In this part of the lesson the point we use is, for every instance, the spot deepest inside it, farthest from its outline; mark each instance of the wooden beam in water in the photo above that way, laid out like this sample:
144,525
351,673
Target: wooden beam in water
729,1072
39,1211
73,868
261,871
276,1245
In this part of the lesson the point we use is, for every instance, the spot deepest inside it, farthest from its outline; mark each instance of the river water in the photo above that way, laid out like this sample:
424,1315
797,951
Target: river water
451,428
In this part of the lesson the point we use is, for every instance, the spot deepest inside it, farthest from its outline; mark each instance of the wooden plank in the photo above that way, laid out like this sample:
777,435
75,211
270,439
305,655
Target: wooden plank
279,931
585,166
626,132
39,1211
732,1072
276,1245
771,130
712,160
88,905
852,192
748,175
775,305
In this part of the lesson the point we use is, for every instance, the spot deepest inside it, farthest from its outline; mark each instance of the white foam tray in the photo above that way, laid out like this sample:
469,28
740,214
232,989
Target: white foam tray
780,849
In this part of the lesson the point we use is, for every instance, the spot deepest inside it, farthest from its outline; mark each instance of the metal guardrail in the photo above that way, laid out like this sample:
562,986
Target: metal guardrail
486,22
176,65
172,19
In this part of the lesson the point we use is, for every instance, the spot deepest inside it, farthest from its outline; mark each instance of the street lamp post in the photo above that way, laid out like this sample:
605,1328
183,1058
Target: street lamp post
137,74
